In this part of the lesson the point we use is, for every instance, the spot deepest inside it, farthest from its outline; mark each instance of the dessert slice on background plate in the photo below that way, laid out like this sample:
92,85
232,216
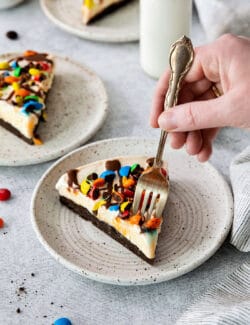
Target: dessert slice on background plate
93,9
24,83
103,193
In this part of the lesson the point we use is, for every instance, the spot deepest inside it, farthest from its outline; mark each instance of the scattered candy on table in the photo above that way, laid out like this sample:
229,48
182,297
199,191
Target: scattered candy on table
4,194
1,223
62,321
12,35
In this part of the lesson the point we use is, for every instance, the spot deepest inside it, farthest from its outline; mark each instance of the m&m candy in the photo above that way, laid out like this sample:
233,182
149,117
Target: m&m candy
1,223
62,321
4,194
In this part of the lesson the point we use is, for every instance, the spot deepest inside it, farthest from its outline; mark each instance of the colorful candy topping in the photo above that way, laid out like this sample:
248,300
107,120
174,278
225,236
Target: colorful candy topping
62,321
24,82
4,65
114,188
5,194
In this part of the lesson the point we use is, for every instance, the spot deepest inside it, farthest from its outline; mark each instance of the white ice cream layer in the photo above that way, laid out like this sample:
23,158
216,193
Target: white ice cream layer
22,122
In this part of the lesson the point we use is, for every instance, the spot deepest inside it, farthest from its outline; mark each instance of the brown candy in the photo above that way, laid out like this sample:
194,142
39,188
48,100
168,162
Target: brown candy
113,165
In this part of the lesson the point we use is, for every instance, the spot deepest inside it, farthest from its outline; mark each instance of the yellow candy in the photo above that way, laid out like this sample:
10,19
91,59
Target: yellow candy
19,100
45,116
123,206
15,86
34,72
85,187
98,205
4,65
89,3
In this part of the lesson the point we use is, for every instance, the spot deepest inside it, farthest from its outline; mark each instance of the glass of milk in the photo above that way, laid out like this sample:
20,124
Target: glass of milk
4,4
162,22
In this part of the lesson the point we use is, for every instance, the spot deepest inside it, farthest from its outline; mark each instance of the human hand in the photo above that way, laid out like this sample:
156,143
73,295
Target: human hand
196,119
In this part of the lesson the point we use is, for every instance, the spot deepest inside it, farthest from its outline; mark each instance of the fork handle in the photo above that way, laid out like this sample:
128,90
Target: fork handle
180,60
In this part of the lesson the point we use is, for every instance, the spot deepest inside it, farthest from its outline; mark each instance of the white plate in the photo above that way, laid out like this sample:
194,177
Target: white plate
120,26
77,107
198,219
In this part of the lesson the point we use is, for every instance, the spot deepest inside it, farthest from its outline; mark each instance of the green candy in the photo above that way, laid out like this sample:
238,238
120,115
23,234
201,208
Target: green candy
133,167
32,97
17,71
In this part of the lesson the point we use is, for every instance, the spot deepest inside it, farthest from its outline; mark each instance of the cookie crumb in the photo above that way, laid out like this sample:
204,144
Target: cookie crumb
18,310
32,274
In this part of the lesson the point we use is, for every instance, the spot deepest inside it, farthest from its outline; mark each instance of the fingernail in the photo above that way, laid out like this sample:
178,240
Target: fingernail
167,121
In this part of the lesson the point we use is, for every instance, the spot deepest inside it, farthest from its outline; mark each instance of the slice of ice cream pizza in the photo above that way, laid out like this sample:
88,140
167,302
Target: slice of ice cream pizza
103,193
93,9
24,83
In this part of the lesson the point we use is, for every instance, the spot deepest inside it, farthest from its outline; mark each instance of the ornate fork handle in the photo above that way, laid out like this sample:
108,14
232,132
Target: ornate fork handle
180,59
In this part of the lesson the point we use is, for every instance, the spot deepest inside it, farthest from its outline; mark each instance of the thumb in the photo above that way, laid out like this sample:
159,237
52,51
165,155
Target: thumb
196,115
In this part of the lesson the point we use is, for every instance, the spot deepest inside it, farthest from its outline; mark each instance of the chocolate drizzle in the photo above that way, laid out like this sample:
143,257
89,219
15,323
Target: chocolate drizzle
36,57
72,178
10,96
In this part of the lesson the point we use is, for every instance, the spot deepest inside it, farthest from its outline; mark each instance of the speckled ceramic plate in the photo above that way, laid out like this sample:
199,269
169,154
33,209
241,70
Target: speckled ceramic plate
76,108
120,26
198,217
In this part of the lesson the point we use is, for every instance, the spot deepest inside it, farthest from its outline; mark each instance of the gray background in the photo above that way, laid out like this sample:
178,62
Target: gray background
84,301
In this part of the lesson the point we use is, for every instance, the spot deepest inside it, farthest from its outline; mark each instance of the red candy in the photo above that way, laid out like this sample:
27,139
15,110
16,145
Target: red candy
1,223
125,214
128,193
37,77
4,194
164,172
44,66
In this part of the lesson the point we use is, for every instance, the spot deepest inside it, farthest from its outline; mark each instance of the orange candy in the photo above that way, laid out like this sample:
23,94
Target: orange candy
29,53
99,182
153,223
127,182
22,92
1,223
11,79
135,220
37,141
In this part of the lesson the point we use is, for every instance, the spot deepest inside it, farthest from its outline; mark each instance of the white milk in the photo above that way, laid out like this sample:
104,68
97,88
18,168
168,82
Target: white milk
9,3
162,22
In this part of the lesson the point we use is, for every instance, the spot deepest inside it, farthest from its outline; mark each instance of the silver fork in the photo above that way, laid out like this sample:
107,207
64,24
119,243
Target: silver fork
152,188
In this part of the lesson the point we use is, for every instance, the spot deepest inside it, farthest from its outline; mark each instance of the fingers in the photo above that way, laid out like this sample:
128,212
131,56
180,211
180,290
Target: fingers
206,150
194,142
197,142
189,93
178,139
159,98
207,136
197,115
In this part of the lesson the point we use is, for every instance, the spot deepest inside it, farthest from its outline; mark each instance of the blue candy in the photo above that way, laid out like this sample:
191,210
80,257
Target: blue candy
124,171
14,65
107,173
36,106
6,74
62,321
114,207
